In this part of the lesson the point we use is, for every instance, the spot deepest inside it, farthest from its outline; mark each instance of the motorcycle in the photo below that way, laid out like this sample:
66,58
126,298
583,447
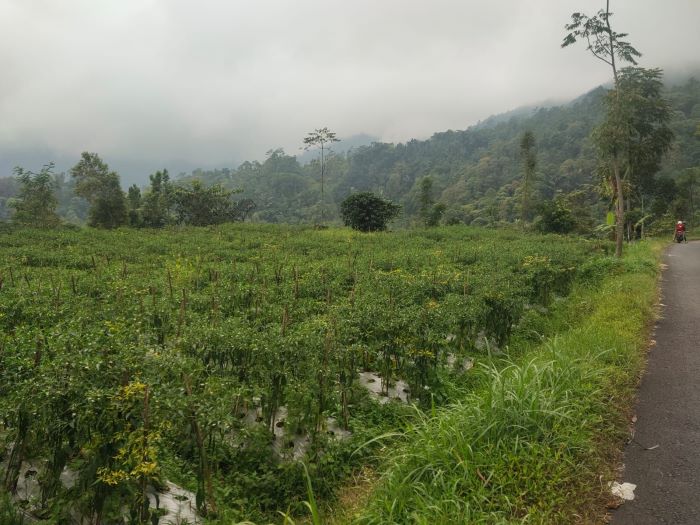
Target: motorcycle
679,237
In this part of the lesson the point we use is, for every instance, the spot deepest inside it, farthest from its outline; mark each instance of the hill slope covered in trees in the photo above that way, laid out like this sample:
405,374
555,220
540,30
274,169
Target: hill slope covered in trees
474,175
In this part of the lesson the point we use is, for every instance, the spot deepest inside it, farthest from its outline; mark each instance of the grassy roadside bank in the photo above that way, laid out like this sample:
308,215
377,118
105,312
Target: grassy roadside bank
537,442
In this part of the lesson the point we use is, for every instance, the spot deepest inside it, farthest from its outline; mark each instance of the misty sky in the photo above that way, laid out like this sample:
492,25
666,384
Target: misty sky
176,83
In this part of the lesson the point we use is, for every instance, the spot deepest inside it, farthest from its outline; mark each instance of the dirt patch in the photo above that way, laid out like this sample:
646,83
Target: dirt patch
352,497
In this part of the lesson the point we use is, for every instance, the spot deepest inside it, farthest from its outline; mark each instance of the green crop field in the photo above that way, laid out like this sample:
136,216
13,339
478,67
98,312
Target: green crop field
225,359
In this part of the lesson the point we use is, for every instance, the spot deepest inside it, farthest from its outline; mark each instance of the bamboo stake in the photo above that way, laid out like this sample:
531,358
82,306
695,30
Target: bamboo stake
204,464
170,284
181,316
143,508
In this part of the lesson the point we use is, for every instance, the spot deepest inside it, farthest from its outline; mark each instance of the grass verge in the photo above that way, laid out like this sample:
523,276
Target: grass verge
537,442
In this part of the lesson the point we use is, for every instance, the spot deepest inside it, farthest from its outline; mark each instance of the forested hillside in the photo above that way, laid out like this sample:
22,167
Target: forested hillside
474,175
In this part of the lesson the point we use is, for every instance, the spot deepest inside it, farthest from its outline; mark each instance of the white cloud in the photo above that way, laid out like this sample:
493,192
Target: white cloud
207,82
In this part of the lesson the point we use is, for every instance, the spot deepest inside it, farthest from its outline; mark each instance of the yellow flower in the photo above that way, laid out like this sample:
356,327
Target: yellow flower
111,477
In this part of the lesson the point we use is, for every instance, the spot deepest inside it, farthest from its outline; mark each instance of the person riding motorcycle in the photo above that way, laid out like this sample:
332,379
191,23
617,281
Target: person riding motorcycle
679,234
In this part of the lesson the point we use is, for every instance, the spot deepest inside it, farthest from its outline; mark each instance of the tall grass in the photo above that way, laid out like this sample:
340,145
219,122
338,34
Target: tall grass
534,444
9,514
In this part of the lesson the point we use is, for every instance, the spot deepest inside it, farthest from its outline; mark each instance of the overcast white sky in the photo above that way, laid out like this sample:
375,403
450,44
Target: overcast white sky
153,83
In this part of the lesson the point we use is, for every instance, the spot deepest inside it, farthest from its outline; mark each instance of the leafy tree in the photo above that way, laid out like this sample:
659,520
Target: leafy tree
198,205
635,134
425,199
477,172
429,212
688,184
9,188
604,44
133,198
607,46
321,139
36,205
664,192
436,213
70,207
556,217
529,160
368,212
580,202
100,187
158,201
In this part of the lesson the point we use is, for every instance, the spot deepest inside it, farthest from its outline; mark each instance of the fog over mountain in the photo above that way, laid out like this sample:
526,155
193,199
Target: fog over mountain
169,83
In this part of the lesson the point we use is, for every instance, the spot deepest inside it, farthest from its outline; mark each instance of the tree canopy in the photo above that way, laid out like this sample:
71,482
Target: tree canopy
477,173
367,212
198,205
101,188
36,204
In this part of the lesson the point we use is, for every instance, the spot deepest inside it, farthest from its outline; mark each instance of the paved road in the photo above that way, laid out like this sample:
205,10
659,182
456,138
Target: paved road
668,410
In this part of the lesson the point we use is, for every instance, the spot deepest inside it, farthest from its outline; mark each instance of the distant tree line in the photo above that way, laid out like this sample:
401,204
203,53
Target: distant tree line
527,169
541,168
35,202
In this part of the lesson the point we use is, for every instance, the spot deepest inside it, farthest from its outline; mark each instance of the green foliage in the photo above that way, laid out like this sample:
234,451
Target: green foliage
321,138
367,212
535,425
633,139
130,357
635,134
603,43
36,203
555,217
100,187
133,199
637,123
435,215
476,173
159,200
426,199
529,160
9,514
429,212
198,205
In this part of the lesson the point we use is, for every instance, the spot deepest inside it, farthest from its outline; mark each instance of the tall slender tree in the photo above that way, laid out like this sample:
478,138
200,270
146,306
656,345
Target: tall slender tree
529,160
607,46
321,138
133,199
425,199
158,200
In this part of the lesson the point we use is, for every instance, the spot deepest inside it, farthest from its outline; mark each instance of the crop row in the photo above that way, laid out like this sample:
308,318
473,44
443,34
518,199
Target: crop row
125,352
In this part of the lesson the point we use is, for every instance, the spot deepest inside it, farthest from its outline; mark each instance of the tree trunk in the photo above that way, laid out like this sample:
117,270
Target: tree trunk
323,200
619,208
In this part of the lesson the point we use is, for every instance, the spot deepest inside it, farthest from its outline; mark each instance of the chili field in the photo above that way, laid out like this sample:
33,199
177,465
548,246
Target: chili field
224,360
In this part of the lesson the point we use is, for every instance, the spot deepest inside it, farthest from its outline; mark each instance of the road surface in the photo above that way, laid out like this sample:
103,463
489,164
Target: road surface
668,409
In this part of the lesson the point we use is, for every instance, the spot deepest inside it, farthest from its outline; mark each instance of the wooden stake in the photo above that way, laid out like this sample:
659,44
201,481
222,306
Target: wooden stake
170,284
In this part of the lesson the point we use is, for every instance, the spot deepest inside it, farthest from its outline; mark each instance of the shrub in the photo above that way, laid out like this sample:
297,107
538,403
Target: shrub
367,212
555,217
